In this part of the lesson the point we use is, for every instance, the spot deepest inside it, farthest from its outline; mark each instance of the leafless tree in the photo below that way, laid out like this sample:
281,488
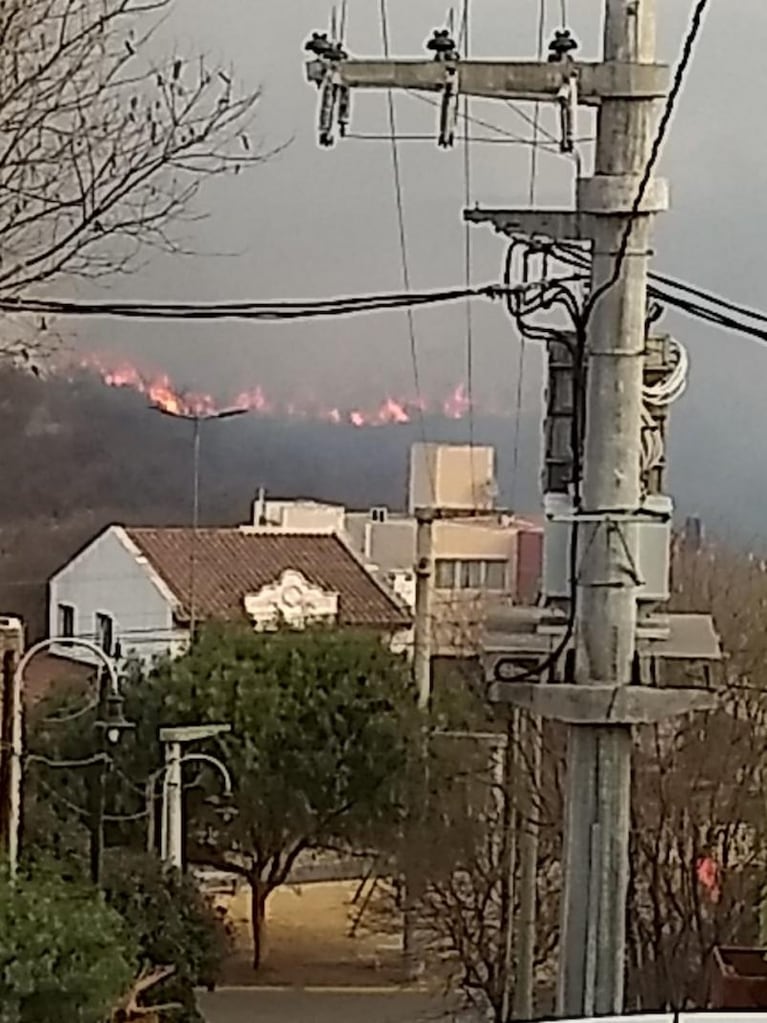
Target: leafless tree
102,146
699,829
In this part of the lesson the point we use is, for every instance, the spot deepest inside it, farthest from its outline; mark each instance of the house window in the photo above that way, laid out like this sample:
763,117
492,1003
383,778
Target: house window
495,576
471,574
445,574
105,632
66,621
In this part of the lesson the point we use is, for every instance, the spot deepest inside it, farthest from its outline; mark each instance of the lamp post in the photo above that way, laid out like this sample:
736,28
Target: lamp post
172,839
151,786
196,418
112,722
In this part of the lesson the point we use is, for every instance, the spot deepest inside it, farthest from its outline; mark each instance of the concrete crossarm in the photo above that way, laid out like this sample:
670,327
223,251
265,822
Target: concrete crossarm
603,705
515,80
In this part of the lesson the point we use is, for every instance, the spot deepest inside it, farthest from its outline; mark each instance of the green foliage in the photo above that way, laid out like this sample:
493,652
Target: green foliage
171,923
321,722
64,954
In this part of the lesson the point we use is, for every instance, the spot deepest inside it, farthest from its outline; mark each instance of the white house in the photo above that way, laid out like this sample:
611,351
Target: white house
136,591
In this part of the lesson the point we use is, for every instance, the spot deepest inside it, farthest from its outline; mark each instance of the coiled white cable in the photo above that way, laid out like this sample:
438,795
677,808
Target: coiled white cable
657,396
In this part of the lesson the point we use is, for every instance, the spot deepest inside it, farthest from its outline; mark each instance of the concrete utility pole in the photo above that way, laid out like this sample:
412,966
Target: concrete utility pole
592,962
601,707
422,650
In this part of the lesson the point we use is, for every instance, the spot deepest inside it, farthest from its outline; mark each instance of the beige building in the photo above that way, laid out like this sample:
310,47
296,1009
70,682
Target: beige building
491,557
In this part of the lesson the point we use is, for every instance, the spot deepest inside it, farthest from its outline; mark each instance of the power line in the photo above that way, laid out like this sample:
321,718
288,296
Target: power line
688,49
659,287
249,310
536,125
468,254
552,145
474,139
398,193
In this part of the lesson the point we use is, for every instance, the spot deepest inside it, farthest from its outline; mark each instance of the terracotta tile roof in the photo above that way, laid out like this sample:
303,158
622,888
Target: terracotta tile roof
231,563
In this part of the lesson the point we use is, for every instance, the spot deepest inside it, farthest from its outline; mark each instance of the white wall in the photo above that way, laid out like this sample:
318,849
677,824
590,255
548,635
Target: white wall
107,577
297,517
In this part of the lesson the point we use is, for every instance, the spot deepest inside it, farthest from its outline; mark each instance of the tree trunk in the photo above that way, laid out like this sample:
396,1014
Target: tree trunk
258,921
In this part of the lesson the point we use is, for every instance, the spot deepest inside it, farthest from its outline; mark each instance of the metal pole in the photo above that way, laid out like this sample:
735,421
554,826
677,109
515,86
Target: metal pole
195,527
528,868
422,644
173,851
17,732
599,756
509,864
10,660
422,625
98,792
151,824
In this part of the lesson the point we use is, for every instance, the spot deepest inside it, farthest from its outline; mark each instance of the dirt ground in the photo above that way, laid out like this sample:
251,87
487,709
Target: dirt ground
308,941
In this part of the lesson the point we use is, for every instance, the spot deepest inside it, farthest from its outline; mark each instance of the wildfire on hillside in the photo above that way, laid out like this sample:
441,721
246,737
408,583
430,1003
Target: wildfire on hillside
160,390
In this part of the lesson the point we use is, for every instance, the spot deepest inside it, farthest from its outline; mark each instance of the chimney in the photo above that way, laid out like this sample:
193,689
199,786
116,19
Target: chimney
259,508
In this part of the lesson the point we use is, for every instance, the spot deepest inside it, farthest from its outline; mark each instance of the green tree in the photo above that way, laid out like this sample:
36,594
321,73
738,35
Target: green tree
321,722
64,954
171,923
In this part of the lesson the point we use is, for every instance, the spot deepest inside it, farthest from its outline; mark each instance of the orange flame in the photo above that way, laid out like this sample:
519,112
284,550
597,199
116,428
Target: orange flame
160,391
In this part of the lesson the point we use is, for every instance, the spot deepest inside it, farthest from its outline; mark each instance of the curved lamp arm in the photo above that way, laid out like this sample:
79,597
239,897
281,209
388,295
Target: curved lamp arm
162,772
17,730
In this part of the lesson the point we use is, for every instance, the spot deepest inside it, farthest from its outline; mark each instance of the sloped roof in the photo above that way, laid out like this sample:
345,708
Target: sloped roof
232,563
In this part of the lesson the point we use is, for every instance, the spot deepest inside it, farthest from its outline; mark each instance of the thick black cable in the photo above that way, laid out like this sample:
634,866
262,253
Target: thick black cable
658,289
552,295
267,311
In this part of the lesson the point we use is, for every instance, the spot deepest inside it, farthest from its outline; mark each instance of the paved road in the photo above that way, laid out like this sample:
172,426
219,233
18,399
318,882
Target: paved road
270,1006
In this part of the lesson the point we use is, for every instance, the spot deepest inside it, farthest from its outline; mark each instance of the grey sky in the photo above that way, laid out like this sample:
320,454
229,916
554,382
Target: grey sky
315,222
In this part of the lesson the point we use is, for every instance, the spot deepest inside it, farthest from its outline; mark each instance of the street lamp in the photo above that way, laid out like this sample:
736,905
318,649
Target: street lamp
151,786
172,840
197,418
113,723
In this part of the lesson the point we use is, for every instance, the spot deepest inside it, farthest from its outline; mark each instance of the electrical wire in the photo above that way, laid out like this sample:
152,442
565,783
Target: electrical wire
520,307
659,396
688,49
658,289
75,715
398,193
531,201
552,145
468,255
537,108
273,311
474,139
97,758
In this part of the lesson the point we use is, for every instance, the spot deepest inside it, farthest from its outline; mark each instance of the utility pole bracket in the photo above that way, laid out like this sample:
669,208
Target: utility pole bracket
564,225
515,80
602,705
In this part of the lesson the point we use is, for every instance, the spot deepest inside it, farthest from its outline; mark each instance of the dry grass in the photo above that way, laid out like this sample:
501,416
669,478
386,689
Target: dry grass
308,941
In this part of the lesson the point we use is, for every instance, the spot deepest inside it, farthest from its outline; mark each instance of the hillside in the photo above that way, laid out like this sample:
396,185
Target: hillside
77,455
